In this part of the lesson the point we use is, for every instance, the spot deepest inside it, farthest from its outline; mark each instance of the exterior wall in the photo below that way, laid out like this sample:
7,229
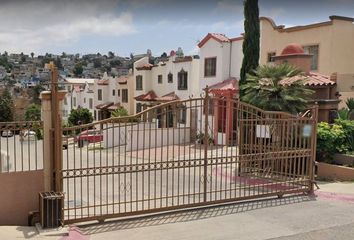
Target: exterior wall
129,106
334,172
212,48
336,48
19,196
150,78
236,58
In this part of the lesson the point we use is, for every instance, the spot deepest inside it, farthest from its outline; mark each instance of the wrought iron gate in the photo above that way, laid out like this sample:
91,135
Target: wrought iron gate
184,154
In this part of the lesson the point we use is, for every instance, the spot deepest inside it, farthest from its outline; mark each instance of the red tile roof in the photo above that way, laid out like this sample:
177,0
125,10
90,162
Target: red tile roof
147,66
104,105
114,106
103,82
149,96
312,79
168,97
230,84
218,37
122,79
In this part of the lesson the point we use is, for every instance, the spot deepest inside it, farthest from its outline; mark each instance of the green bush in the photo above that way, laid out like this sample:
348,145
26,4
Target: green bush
335,138
328,139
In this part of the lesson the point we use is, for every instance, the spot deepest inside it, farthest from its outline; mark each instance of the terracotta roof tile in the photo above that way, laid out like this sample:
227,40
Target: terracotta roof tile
147,66
172,96
230,84
149,96
312,79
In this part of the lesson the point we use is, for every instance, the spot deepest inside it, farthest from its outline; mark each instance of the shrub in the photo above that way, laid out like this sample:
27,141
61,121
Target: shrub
329,141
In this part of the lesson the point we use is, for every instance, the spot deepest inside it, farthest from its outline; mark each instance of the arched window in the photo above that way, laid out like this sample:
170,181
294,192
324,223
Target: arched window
170,78
182,80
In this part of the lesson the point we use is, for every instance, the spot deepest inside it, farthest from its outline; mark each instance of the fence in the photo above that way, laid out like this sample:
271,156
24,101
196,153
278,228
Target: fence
184,154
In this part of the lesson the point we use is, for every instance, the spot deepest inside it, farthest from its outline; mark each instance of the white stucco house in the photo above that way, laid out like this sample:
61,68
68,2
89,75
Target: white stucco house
110,93
79,94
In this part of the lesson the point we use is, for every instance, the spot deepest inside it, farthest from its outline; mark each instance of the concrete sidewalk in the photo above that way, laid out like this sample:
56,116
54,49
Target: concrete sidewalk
329,216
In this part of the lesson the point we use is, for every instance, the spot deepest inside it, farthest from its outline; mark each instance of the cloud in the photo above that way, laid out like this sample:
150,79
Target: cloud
229,6
36,25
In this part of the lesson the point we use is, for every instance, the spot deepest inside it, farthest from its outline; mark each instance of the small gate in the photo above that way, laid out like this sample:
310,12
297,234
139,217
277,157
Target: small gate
184,154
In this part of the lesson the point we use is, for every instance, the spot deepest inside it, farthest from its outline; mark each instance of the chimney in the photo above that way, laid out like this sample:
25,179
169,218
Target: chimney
295,55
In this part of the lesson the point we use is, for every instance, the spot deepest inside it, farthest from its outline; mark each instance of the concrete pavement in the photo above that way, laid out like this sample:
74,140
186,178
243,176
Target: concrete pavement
295,217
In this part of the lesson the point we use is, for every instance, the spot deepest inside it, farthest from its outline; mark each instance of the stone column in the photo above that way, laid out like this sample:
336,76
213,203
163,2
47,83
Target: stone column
46,116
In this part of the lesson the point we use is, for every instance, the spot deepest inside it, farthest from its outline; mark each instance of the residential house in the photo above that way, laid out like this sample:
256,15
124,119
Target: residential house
110,93
330,43
79,94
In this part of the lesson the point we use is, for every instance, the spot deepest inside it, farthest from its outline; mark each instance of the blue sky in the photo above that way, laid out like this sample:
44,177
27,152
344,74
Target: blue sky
87,26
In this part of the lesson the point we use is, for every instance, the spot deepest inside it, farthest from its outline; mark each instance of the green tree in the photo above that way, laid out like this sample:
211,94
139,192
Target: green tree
266,90
78,69
97,63
110,54
32,54
36,92
80,116
120,112
250,45
33,113
6,107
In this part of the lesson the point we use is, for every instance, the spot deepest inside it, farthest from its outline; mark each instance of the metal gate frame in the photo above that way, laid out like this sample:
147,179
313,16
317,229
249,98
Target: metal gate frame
263,154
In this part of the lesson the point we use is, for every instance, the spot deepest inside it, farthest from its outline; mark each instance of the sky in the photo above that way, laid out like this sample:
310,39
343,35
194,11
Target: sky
124,27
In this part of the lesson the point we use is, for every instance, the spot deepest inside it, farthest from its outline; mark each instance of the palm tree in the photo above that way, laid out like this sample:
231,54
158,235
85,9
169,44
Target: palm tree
350,106
277,88
120,112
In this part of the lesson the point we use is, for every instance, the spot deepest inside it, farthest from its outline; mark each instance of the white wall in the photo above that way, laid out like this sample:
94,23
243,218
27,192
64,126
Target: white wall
136,139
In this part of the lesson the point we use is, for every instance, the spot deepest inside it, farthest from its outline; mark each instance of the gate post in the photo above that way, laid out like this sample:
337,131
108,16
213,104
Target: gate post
313,148
206,140
51,117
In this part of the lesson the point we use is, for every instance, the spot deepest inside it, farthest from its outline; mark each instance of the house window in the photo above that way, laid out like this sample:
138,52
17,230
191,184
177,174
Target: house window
99,92
139,82
314,51
138,107
270,56
84,100
159,79
74,101
182,80
113,92
182,114
65,101
210,67
170,78
125,95
90,103
118,92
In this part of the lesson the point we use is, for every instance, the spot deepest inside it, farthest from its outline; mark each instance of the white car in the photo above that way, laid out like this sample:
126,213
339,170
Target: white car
7,133
28,136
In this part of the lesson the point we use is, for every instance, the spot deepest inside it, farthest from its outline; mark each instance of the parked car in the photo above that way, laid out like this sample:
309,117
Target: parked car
89,136
64,140
7,133
28,136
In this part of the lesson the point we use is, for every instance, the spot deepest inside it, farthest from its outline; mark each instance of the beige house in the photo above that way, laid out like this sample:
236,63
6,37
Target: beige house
331,43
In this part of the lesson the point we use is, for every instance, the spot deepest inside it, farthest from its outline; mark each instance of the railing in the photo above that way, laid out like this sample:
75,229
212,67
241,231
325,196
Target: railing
21,146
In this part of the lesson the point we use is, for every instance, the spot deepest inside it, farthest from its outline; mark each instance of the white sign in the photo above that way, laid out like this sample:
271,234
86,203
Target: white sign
263,131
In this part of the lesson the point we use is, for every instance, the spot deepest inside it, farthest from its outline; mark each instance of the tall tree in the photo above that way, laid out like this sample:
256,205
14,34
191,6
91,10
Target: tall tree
80,116
250,45
6,107
32,54
110,54
33,113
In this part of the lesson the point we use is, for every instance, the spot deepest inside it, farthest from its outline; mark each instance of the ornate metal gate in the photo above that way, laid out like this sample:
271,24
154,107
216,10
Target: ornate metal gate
184,154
